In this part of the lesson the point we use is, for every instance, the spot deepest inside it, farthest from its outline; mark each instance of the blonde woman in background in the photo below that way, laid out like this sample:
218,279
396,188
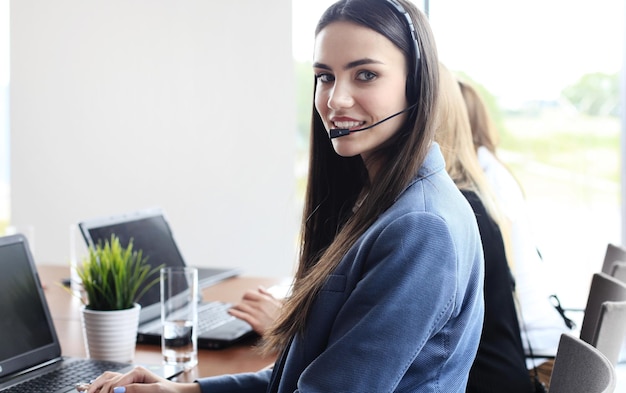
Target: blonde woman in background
541,323
500,363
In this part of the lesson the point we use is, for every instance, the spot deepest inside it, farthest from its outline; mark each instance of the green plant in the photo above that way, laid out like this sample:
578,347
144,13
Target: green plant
114,277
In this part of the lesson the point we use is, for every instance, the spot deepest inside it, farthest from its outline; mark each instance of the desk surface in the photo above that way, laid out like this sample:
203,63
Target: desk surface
240,358
65,310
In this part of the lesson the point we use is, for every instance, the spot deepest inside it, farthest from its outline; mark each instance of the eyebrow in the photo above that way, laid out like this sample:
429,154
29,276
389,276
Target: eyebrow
351,64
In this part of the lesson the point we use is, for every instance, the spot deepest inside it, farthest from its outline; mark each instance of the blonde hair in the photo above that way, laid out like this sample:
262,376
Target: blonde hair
454,135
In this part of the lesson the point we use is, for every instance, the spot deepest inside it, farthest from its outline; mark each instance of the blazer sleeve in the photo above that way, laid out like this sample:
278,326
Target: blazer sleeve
241,383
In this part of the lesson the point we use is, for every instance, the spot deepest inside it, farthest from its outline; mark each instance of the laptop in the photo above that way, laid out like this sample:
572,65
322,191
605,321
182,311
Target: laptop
151,233
30,352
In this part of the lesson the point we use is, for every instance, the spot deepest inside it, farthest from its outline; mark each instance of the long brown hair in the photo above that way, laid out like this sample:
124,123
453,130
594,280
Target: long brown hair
454,135
484,132
329,226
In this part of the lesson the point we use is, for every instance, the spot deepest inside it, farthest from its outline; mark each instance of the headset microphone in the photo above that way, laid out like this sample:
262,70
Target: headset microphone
337,132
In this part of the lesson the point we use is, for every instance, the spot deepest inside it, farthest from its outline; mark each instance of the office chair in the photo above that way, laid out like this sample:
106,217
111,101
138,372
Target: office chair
581,368
604,319
618,270
611,330
613,254
603,288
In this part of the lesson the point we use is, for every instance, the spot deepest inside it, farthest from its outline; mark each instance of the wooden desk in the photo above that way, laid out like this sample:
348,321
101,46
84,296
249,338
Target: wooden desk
65,311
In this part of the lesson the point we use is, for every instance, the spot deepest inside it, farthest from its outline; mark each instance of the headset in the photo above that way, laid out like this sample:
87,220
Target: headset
400,10
398,7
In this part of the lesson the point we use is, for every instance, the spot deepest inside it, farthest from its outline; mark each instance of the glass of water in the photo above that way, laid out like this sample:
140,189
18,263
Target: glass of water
179,316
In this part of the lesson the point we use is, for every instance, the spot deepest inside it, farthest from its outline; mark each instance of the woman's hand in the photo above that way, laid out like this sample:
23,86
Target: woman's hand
138,380
259,308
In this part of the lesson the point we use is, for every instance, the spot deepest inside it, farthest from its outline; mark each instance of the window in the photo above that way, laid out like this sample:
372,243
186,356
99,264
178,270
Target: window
552,70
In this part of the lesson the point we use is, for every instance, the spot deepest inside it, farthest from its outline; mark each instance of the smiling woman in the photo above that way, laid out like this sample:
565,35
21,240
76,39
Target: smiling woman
568,162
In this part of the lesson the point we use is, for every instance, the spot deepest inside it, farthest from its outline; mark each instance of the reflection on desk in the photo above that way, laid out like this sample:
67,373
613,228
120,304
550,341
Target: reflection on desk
243,357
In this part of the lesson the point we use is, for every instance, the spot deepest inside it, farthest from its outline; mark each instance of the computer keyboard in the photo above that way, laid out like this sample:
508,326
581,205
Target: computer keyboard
66,376
213,314
210,315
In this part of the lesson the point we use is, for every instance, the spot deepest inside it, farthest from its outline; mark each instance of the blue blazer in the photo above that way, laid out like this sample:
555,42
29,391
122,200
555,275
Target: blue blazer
402,312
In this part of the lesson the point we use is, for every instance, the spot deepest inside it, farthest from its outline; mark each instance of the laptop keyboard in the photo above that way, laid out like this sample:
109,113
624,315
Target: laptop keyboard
68,375
210,316
213,314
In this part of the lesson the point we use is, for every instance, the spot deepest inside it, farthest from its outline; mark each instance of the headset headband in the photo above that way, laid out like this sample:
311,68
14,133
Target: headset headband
409,22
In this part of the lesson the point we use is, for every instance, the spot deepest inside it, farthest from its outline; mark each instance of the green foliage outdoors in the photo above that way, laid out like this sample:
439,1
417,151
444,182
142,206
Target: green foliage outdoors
112,276
595,94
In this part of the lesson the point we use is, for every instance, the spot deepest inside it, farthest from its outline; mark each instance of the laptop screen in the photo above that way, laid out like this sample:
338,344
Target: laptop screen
28,336
150,233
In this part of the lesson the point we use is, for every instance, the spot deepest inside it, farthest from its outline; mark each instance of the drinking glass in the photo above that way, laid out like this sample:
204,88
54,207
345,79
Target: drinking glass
179,316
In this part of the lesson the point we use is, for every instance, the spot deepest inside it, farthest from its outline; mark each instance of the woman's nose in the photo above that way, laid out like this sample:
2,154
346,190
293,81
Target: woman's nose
340,97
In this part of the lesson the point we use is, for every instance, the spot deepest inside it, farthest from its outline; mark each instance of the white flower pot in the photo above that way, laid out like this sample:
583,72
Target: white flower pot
110,335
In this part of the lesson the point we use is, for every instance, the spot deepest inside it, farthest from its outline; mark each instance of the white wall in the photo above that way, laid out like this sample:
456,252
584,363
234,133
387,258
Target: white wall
189,105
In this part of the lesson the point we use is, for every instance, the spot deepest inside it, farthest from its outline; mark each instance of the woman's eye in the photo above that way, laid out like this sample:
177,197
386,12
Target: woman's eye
324,78
365,76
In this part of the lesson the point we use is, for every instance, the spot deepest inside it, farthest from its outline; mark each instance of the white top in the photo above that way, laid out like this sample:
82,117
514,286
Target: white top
543,323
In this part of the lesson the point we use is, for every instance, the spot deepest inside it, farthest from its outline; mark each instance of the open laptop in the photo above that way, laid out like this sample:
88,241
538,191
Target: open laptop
151,233
30,353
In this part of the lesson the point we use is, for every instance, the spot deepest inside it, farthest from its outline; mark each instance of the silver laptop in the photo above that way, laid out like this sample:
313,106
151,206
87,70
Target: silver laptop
30,353
151,233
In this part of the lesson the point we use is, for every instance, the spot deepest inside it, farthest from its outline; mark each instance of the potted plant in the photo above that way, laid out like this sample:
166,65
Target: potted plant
113,279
